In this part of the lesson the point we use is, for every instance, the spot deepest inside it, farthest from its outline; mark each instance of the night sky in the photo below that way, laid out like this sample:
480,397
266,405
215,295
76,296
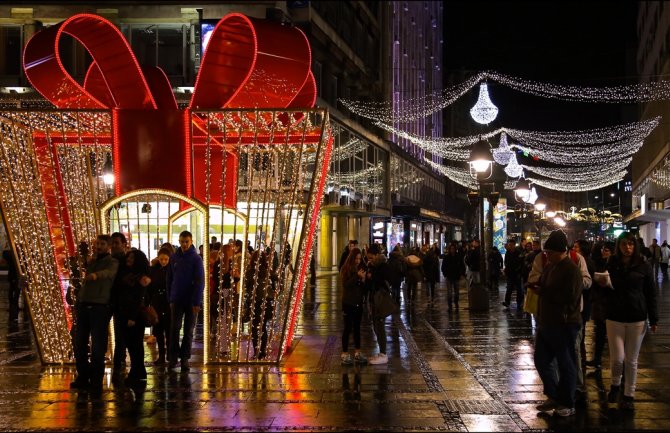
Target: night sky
572,43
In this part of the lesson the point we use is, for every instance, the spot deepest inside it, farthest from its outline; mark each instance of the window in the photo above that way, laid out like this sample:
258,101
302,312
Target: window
10,47
162,45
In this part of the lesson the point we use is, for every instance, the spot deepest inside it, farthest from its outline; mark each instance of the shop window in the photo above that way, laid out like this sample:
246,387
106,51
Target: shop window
161,45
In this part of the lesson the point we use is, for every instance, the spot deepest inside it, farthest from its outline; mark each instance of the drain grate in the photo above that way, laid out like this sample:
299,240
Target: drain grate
476,407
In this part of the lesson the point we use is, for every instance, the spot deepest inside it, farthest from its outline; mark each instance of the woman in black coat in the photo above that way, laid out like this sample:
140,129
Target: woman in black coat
157,298
132,280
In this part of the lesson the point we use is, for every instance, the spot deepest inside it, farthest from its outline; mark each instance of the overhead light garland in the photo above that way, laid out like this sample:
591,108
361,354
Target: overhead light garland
418,108
579,173
458,175
575,186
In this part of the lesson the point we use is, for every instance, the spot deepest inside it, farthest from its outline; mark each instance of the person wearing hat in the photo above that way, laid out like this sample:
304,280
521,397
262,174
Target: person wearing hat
558,323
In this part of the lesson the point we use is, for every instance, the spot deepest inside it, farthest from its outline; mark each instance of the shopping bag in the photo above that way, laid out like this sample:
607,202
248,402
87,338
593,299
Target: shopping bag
530,301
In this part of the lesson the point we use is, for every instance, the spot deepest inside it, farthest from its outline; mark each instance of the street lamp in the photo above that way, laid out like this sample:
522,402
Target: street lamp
481,168
525,196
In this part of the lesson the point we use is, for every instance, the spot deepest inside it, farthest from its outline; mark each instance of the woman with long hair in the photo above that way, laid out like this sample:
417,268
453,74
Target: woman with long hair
630,303
132,281
352,276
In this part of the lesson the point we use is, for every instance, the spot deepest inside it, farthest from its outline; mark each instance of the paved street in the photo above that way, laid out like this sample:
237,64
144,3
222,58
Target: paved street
457,371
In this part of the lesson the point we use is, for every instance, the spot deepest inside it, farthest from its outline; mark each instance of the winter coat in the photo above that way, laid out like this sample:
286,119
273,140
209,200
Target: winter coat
513,263
453,267
99,291
560,294
396,268
599,293
414,272
353,290
633,298
186,278
472,259
431,266
131,295
495,260
157,290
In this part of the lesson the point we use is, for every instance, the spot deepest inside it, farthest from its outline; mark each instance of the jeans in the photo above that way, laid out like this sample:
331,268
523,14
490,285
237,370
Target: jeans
93,321
259,327
514,285
452,291
119,341
600,331
379,326
625,340
181,313
352,322
161,331
557,343
135,342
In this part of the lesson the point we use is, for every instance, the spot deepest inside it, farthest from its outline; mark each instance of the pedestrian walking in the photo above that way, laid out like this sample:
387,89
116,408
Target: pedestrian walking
513,269
453,269
665,258
186,283
431,270
119,247
631,302
414,273
397,271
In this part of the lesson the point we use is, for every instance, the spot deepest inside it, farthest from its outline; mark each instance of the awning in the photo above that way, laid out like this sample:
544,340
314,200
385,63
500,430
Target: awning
417,212
652,215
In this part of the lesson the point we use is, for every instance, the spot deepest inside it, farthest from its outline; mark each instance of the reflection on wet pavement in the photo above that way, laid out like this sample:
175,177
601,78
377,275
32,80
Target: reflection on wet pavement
447,371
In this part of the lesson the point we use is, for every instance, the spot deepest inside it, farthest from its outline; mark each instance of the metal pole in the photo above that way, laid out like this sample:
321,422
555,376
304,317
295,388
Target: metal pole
482,244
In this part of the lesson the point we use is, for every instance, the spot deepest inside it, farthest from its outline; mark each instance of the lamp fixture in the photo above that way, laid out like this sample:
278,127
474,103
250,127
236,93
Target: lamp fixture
481,160
522,191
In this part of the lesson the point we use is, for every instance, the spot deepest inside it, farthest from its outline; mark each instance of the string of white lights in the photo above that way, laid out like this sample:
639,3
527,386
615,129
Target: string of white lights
580,173
581,185
458,175
416,108
413,108
453,150
593,156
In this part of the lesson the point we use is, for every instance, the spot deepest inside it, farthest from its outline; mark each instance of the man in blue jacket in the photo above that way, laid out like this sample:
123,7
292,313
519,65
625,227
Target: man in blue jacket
185,287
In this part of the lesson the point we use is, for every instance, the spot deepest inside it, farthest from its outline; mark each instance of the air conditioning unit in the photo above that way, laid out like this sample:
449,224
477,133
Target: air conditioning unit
334,197
359,204
345,200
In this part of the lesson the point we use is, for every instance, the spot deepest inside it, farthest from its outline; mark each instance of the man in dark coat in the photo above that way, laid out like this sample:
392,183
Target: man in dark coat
185,283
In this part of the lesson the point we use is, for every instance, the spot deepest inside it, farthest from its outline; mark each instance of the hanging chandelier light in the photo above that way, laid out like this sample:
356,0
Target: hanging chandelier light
502,153
513,169
484,111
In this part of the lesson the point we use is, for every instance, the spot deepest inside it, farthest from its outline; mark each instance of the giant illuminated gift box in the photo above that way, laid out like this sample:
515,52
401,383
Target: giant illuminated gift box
249,149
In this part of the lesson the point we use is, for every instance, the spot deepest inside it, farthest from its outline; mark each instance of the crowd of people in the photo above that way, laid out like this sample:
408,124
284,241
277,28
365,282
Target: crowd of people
613,284
118,282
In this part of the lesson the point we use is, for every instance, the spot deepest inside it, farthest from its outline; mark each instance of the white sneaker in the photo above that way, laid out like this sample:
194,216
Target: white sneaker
380,358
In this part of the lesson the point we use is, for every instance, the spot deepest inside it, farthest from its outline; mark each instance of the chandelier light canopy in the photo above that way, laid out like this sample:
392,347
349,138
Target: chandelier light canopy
502,153
513,169
484,111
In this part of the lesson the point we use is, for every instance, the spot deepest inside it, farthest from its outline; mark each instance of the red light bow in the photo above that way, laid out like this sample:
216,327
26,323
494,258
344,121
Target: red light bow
249,63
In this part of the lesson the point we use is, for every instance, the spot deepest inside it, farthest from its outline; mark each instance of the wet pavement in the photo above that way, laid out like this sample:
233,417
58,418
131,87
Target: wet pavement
460,371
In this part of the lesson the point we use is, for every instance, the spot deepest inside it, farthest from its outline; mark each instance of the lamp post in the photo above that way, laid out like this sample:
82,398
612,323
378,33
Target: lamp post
481,168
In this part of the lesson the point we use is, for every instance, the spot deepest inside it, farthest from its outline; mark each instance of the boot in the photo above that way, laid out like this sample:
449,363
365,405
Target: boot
160,360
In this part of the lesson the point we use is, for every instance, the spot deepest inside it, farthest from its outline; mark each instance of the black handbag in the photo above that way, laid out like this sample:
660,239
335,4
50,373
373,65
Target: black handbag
383,304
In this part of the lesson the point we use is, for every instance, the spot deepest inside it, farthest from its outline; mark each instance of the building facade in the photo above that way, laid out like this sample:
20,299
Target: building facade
651,165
